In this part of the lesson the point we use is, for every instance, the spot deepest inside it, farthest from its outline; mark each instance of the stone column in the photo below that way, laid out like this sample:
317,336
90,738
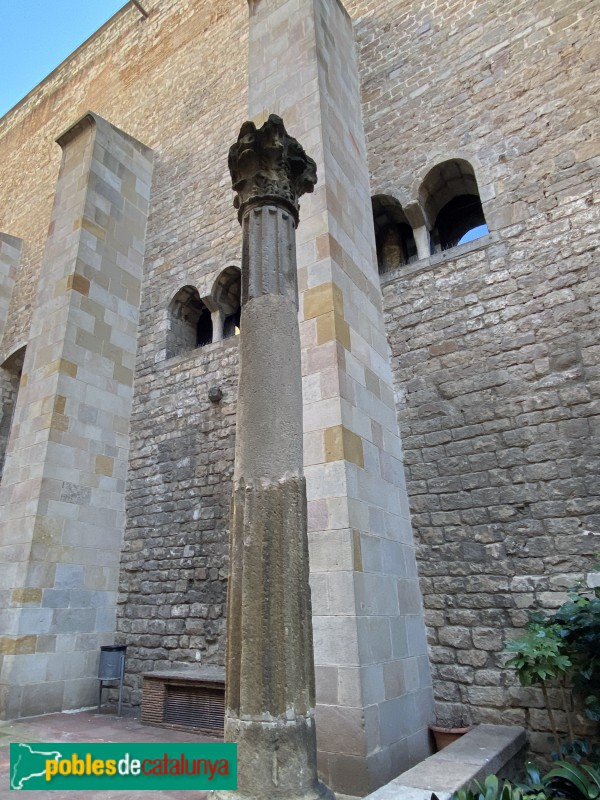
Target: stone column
218,319
63,485
422,242
270,672
416,218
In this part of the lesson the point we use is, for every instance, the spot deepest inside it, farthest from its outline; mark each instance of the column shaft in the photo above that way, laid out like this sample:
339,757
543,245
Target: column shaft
270,670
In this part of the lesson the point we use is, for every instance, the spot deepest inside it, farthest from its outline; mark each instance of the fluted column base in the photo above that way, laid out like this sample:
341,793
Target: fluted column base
270,685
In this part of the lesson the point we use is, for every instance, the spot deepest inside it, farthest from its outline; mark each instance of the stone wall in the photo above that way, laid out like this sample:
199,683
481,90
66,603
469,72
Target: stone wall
167,81
10,376
495,343
174,565
63,481
373,684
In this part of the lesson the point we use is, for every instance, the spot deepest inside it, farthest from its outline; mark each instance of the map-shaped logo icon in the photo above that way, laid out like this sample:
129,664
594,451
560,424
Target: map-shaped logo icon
28,765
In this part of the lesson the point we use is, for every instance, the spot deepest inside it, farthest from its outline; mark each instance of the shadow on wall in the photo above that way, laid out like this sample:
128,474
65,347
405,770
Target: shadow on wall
10,379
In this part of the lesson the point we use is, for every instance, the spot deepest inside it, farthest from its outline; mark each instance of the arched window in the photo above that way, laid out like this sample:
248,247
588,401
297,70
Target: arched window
449,197
189,322
204,328
10,377
226,295
393,235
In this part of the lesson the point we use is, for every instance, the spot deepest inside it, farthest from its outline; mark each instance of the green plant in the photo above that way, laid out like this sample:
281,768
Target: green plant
490,789
538,656
564,780
560,648
571,781
578,624
580,751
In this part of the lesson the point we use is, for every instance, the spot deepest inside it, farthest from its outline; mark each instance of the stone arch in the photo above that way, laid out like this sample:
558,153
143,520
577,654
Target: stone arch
226,296
10,379
394,235
189,323
451,204
398,193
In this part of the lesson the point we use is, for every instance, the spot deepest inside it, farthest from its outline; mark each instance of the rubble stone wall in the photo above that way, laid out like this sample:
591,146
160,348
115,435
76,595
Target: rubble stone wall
175,562
495,343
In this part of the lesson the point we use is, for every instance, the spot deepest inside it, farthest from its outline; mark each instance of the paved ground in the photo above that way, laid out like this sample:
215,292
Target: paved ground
88,726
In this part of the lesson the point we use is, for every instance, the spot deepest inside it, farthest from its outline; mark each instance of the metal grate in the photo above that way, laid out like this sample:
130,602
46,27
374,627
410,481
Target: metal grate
199,707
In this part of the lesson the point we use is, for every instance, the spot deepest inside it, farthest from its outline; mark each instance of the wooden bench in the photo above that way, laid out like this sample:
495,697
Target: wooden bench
186,699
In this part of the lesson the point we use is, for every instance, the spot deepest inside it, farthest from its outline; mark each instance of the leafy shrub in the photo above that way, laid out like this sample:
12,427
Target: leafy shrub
580,751
564,782
578,624
538,656
561,647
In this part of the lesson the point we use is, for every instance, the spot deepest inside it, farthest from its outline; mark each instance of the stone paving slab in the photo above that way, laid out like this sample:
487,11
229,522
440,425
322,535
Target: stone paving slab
89,726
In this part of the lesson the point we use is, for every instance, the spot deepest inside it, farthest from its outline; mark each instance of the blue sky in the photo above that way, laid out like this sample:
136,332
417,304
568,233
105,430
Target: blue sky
38,34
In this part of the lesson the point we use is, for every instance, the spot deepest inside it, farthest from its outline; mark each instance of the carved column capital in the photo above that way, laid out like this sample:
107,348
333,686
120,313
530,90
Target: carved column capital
268,166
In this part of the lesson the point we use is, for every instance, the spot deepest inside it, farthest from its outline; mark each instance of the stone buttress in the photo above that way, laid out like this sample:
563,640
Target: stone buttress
62,490
374,694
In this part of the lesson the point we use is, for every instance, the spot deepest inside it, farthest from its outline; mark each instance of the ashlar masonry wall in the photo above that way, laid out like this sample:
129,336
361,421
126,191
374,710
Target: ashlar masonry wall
62,490
374,696
167,81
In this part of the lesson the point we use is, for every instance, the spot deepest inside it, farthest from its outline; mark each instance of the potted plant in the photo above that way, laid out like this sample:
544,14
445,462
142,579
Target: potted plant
448,729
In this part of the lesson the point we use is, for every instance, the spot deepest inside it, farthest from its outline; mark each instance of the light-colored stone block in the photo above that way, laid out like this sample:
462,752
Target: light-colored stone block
64,473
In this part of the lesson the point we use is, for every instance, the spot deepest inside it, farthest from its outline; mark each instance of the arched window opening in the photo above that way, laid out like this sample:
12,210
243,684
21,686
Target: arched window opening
393,235
204,328
10,378
227,296
450,200
189,323
474,233
462,215
231,325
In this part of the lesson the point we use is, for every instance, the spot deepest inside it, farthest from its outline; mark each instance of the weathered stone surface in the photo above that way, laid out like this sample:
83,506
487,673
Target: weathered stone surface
270,685
495,343
495,349
269,167
174,564
270,690
269,658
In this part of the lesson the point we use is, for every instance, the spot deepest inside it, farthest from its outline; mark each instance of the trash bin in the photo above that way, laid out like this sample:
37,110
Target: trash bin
111,668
